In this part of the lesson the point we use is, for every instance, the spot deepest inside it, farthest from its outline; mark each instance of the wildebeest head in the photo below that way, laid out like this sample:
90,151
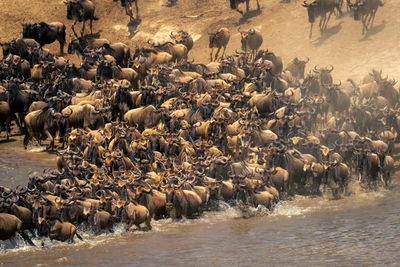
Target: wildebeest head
27,30
244,36
325,74
212,35
301,65
356,8
312,10
71,7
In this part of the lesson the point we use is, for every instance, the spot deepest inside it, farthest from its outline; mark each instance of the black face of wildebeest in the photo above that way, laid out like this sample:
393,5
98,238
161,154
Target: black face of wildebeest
169,197
233,4
244,41
356,10
312,9
311,13
27,30
69,11
212,37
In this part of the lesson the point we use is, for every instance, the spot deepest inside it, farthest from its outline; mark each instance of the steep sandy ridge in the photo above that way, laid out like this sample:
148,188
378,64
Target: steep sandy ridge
284,26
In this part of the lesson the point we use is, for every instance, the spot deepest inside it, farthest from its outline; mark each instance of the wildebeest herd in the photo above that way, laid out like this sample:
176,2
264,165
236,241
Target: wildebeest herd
145,134
363,10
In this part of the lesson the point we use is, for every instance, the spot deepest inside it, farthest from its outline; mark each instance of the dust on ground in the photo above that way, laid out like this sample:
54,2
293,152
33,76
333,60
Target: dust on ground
285,30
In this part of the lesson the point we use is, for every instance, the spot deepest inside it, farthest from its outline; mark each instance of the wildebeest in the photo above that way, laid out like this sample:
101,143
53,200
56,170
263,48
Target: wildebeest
235,5
9,226
366,11
128,8
42,123
81,10
251,40
5,118
218,39
45,33
182,202
19,47
84,116
387,169
120,51
134,214
320,8
296,67
143,117
178,52
79,45
182,37
58,230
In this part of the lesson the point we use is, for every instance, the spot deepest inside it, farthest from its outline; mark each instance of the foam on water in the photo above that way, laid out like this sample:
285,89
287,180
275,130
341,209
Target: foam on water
289,209
36,149
298,206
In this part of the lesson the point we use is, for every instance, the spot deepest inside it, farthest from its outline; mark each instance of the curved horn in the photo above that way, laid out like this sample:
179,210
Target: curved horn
316,69
331,68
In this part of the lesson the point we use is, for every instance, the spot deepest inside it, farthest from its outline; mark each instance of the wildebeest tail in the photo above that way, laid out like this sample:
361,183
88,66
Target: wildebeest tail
233,4
79,236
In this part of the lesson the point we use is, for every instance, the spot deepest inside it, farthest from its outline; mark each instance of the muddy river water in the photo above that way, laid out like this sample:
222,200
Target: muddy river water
362,229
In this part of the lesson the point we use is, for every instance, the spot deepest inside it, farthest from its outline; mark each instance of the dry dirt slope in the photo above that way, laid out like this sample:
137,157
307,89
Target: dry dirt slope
284,26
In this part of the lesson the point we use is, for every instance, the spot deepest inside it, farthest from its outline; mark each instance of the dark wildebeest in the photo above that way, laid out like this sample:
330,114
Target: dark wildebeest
182,202
128,8
19,47
297,67
218,39
366,10
320,8
5,118
9,226
143,117
120,51
81,10
45,33
184,38
235,5
42,123
251,40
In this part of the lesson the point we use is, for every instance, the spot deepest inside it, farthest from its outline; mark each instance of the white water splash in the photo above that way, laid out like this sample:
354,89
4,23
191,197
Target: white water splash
289,209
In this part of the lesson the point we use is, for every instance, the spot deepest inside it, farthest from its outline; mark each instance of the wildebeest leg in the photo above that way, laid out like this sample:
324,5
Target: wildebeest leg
364,22
128,10
82,28
137,9
311,26
371,19
51,139
148,219
327,20
216,54
258,5
72,27
91,26
27,138
14,116
322,22
223,52
247,5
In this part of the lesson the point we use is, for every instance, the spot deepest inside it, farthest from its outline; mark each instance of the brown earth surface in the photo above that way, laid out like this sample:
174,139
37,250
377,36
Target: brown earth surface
285,30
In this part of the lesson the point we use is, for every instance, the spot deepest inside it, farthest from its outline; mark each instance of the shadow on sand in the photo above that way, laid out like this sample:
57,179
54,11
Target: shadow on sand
374,30
328,34
245,18
132,27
